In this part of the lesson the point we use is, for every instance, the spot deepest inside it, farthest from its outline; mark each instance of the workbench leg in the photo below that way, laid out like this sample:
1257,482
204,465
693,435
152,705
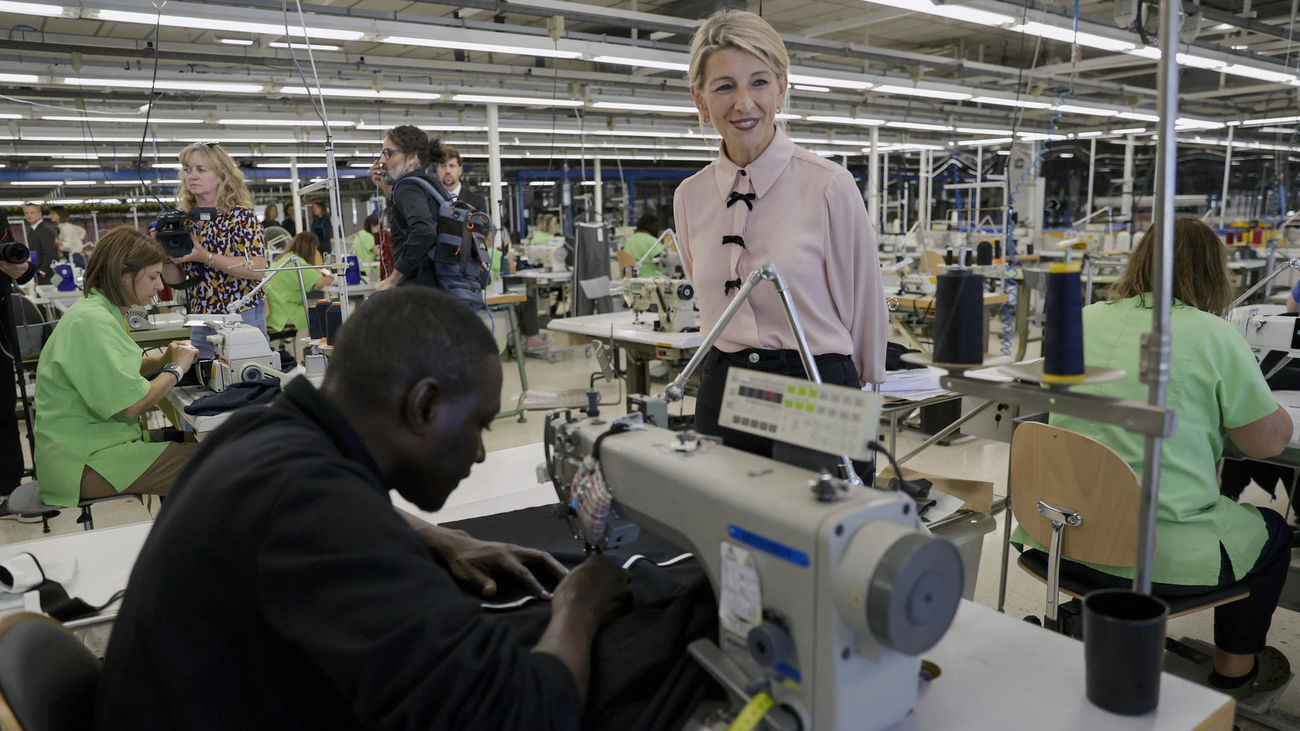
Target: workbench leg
638,375
517,339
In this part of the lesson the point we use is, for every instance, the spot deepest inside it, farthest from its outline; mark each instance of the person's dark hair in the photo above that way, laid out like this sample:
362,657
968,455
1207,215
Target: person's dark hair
649,223
371,221
449,153
61,212
1200,268
324,209
123,250
305,246
413,141
403,335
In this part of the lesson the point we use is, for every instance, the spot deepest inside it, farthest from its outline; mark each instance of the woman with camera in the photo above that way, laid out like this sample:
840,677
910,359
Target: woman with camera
91,387
228,251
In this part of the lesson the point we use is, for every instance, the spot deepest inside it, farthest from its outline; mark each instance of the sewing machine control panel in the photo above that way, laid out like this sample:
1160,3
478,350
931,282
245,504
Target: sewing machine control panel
833,419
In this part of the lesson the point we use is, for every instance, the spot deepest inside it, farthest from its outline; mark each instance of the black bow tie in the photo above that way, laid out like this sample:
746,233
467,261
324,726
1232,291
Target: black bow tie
746,197
734,240
730,285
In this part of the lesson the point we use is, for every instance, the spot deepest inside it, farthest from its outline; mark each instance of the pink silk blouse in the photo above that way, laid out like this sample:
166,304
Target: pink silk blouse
804,214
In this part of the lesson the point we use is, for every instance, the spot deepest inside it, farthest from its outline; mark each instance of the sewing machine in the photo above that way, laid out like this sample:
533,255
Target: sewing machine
242,354
826,593
673,299
549,256
1268,329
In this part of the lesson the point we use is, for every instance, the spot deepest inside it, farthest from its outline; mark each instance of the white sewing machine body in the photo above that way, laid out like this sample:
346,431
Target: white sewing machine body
673,299
242,354
831,601
1267,328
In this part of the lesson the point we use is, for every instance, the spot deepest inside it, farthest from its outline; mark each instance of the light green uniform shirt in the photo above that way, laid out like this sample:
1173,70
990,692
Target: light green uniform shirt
89,372
363,245
637,245
540,238
284,296
1215,384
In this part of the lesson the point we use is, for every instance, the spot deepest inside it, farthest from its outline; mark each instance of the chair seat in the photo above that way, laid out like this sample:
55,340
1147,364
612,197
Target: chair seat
1035,563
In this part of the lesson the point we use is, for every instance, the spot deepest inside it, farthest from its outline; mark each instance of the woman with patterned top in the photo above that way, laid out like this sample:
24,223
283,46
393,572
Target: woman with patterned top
228,251
765,199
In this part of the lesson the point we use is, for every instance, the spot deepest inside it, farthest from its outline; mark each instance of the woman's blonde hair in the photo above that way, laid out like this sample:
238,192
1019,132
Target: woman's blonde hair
1200,268
232,191
121,251
742,31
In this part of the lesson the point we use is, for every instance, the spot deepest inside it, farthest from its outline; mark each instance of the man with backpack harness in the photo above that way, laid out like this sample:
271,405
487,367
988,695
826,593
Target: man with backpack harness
438,241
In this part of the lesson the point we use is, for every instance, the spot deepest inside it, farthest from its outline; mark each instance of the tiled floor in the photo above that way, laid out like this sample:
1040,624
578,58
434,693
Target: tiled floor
975,459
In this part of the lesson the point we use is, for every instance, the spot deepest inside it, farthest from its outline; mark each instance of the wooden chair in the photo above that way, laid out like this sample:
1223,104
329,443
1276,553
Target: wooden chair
932,262
48,679
626,265
1081,499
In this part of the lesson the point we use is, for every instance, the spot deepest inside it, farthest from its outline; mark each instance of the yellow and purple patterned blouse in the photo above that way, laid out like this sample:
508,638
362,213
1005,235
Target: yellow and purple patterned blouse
235,233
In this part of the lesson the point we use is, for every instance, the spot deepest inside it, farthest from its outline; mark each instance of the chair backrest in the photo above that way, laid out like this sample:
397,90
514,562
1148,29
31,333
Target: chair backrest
48,679
1076,472
932,262
626,264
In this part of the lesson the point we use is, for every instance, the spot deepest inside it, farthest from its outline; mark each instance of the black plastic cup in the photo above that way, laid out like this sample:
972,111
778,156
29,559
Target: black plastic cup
1123,650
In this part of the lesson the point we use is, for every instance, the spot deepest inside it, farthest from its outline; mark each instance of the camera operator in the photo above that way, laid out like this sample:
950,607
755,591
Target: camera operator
11,272
228,250
40,238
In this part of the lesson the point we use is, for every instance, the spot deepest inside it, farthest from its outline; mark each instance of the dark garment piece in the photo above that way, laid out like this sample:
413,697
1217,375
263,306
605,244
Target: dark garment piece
1237,474
894,357
642,679
738,240
746,198
290,225
414,221
281,590
835,368
1242,626
12,462
474,199
324,233
40,239
236,396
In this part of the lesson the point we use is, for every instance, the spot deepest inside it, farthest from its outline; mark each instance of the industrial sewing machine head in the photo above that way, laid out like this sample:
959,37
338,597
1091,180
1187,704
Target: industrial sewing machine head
1268,329
826,593
673,299
242,353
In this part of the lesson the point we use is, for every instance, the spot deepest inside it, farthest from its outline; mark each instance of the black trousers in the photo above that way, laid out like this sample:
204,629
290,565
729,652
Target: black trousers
1241,627
834,368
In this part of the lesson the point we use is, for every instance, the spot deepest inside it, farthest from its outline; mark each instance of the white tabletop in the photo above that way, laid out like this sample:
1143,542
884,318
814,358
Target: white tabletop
543,275
620,327
1246,263
998,667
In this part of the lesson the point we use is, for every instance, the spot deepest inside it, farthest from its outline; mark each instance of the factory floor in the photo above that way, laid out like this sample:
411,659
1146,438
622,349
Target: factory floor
974,459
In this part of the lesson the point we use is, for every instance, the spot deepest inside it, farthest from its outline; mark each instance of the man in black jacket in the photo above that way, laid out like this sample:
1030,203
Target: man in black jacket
280,589
448,171
40,239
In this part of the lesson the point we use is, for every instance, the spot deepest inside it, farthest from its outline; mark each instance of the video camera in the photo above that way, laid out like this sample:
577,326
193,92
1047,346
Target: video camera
172,234
14,252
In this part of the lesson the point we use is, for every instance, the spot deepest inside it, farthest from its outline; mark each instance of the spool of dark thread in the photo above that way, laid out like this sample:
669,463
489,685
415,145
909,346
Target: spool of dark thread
997,249
969,258
316,319
333,320
984,254
958,317
1063,326
947,257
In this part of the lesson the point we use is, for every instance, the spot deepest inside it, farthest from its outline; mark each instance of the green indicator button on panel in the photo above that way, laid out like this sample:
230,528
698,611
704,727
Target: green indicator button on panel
812,392
790,390
789,404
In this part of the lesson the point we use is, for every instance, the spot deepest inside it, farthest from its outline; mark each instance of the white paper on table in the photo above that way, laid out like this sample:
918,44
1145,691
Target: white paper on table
944,505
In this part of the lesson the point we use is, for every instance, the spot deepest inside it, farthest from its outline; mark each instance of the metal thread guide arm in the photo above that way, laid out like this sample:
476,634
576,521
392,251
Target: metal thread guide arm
676,390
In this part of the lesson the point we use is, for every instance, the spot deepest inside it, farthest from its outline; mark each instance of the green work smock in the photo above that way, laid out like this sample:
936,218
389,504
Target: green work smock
1214,385
638,244
284,296
363,246
88,374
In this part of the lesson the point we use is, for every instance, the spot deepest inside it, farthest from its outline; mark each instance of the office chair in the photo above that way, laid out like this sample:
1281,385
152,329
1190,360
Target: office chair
48,679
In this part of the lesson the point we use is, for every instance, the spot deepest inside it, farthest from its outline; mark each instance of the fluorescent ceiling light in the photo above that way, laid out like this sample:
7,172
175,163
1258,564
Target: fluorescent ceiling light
35,183
51,11
642,62
303,46
1022,103
10,115
284,122
523,101
1129,131
363,93
1138,116
920,126
540,183
1004,152
1277,130
167,165
1270,120
982,131
1068,35
918,91
1260,74
1037,136
236,41
213,86
75,165
1185,123
831,81
485,47
123,120
953,12
1094,133
217,24
1199,62
1145,52
1067,155
990,141
19,78
632,107
1074,109
860,121
810,87
432,126
783,117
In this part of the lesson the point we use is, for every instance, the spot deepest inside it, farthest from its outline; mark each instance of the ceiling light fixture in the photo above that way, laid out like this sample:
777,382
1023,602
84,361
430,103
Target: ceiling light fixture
49,11
920,126
982,131
218,24
285,122
634,107
522,101
303,46
642,63
798,77
236,41
922,92
1130,131
517,50
1003,101
860,121
1068,35
123,120
1095,111
952,12
362,93
213,86
20,78
810,87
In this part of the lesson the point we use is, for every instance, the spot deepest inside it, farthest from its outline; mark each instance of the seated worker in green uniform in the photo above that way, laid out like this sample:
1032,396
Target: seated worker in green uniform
283,294
642,242
363,241
547,226
1203,539
91,388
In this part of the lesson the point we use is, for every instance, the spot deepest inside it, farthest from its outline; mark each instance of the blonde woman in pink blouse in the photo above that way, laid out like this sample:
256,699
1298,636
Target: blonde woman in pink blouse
765,199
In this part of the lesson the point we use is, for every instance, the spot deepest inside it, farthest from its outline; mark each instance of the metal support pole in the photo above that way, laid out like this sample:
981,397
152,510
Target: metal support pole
293,191
979,179
954,426
884,190
1126,194
873,180
599,191
1155,356
1092,169
1227,171
494,174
